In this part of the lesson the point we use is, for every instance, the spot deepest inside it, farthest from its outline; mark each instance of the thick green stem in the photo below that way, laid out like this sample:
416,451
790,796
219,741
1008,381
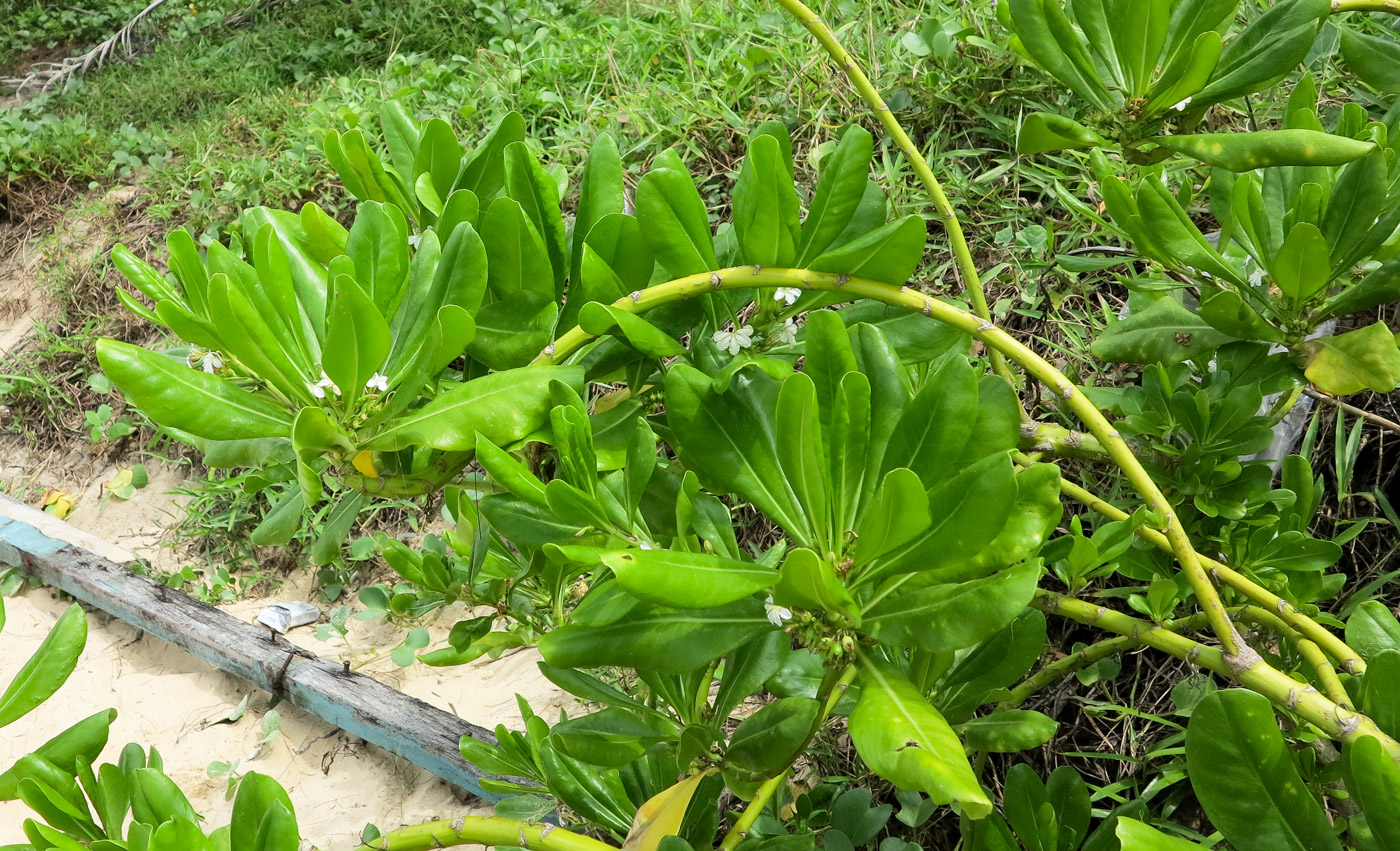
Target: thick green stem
1337,722
1348,658
1326,674
967,267
1060,441
755,277
484,830
1391,6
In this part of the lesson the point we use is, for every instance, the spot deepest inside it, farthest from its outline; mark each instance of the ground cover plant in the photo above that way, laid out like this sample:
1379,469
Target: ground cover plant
747,488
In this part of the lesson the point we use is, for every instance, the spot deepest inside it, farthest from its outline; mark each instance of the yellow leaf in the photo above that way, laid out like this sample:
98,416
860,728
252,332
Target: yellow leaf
662,815
58,503
121,485
364,462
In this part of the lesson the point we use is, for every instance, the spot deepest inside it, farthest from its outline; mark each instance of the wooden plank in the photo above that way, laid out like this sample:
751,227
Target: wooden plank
381,715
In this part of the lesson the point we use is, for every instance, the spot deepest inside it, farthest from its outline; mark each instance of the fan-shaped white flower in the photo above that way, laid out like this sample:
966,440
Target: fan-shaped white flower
734,341
787,294
777,615
379,382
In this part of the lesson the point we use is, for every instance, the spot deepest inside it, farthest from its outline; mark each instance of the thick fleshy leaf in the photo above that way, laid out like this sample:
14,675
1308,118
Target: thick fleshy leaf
808,581
1373,629
357,341
904,740
600,319
667,640
839,193
257,796
1375,59
1138,836
940,618
48,668
1302,268
898,514
1269,48
538,195
1008,731
176,396
1364,359
1166,332
516,256
766,207
503,407
1375,786
688,580
888,254
378,245
511,332
662,816
1246,778
769,740
601,194
611,737
484,170
1042,131
729,440
438,158
673,220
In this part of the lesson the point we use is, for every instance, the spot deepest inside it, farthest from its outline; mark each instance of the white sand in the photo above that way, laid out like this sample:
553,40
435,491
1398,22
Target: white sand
163,697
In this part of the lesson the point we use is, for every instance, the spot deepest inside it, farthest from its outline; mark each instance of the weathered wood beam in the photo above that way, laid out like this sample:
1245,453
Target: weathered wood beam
44,548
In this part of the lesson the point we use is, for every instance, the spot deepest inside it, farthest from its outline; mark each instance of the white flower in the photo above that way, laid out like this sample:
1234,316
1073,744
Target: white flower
786,335
379,382
1180,106
734,341
787,294
777,615
319,388
643,545
414,239
210,362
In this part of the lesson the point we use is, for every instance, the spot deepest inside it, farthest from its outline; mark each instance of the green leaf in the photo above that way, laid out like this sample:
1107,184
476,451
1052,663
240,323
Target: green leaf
1375,787
807,581
688,580
538,195
839,192
748,668
1043,131
666,640
503,407
1034,516
511,332
516,256
618,241
484,171
769,740
155,799
936,424
1241,152
48,668
1139,40
1230,314
1269,48
1376,60
179,397
888,254
1008,731
673,220
600,195
1380,691
1373,629
968,512
1246,779
251,825
766,207
1166,332
1380,287
940,618
1364,359
602,319
1031,20
802,455
1137,836
439,158
1302,268
378,246
612,737
898,515
729,440
357,342
401,135
904,739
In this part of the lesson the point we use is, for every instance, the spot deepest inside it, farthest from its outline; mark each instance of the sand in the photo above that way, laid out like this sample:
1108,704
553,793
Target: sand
166,698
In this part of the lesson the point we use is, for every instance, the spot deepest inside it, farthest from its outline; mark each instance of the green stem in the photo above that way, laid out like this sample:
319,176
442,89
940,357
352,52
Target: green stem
1348,658
1326,674
485,830
1060,441
1391,6
834,689
1336,721
754,277
967,267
